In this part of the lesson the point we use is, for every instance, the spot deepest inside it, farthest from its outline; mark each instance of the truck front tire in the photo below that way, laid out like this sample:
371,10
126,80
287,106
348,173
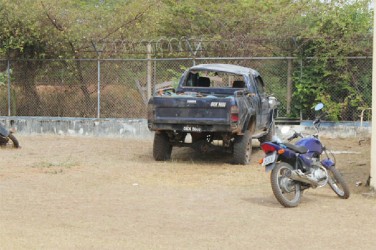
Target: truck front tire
269,135
243,148
162,147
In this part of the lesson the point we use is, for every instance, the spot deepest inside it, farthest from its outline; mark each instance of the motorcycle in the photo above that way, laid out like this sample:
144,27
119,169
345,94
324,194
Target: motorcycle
305,164
7,137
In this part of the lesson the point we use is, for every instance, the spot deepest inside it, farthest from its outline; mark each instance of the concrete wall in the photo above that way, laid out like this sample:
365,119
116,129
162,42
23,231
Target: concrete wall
336,131
78,126
138,127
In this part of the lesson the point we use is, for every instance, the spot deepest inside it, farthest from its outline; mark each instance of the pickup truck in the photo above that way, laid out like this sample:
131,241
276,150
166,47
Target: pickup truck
214,106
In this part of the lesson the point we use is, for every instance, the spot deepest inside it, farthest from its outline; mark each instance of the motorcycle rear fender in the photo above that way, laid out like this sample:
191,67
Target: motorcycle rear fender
273,145
328,163
270,167
288,153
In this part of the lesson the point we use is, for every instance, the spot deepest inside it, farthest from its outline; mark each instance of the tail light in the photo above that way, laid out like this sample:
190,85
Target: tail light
234,114
267,148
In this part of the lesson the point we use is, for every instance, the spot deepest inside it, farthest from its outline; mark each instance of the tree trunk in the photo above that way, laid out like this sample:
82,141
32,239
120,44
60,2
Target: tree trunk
32,105
85,112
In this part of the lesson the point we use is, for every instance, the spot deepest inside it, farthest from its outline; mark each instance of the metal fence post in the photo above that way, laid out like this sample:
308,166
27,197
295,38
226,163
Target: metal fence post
9,95
149,71
99,90
289,86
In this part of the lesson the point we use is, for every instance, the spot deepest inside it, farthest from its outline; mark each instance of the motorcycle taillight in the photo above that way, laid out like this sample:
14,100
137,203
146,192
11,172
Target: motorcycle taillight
267,148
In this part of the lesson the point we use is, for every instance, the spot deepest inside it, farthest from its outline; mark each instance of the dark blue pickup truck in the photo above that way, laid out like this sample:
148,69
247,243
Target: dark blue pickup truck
214,106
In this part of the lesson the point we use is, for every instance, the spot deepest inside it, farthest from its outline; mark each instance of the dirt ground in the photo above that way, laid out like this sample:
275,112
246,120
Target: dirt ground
60,192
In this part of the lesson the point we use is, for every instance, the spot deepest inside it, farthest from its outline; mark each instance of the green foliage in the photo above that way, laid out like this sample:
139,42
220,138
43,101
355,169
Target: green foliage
334,33
327,31
176,75
4,77
66,28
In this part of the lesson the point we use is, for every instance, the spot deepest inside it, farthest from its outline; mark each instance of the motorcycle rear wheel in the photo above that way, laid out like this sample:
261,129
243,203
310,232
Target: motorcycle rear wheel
287,191
338,184
5,141
14,140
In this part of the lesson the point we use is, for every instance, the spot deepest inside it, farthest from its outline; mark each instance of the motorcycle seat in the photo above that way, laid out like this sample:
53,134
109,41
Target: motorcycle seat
299,149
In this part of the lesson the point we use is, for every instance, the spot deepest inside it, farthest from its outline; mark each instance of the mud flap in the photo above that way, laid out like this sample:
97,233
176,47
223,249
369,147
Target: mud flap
269,161
269,167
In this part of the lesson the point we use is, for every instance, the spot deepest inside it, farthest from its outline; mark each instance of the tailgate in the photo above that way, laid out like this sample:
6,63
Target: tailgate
183,110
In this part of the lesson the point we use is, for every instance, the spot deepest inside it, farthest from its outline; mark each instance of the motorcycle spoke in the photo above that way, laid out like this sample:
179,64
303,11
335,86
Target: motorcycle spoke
338,184
285,189
335,185
288,187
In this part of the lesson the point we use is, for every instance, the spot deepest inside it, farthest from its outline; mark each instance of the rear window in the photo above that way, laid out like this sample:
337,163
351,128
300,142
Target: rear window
210,79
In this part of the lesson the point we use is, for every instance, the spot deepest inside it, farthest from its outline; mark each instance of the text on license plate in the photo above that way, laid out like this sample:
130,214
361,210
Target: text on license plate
269,159
191,129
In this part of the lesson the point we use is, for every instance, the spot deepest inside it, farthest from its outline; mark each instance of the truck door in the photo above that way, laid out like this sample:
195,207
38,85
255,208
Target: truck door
264,104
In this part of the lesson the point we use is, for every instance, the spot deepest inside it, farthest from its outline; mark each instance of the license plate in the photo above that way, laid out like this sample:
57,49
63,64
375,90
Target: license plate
192,129
269,159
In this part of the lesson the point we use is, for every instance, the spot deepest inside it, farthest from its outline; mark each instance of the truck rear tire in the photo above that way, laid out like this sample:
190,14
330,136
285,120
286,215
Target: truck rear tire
162,147
243,148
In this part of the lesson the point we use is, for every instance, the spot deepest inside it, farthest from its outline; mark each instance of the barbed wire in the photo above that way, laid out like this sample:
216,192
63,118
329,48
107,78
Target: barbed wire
162,46
203,47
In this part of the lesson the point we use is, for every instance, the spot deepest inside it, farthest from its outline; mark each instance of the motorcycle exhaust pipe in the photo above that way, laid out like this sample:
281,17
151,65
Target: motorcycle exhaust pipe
298,175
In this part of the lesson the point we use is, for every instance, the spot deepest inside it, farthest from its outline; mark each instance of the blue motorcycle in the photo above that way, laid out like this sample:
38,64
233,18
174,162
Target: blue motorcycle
305,164
7,137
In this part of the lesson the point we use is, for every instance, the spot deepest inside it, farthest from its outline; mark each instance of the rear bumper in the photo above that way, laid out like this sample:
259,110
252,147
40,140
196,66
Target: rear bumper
192,128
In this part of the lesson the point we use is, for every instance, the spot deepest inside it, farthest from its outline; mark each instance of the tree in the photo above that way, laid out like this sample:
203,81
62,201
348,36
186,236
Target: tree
64,29
324,31
336,30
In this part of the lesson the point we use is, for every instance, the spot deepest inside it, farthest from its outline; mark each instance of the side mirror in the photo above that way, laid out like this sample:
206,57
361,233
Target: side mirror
319,106
273,103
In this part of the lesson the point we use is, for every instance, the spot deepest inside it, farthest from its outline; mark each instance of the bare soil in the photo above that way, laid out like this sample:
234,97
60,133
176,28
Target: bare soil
60,192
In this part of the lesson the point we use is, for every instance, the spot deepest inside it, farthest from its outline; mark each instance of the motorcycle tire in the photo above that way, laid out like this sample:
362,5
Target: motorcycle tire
338,184
287,191
14,140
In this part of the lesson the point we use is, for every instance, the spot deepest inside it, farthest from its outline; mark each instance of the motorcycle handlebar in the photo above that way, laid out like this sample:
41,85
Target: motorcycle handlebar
295,135
316,121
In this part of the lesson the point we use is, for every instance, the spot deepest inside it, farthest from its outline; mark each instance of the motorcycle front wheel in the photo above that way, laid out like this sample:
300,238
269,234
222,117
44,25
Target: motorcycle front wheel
286,190
338,184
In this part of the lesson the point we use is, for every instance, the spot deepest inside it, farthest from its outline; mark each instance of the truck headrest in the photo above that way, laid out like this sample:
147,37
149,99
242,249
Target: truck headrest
203,82
238,84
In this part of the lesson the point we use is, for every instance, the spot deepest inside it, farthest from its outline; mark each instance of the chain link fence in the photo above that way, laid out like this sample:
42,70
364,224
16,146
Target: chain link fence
120,88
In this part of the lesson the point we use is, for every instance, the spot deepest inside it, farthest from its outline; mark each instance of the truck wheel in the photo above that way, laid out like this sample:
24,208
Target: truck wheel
243,148
269,135
161,148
